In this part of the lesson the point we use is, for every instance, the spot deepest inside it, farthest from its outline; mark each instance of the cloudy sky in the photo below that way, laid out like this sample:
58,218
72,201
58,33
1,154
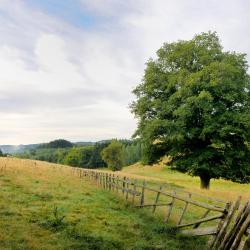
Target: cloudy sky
67,67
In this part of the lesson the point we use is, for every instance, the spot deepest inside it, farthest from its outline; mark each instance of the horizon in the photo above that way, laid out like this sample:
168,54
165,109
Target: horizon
68,68
74,142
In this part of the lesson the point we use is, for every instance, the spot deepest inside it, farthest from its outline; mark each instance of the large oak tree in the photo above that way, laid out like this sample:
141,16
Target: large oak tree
193,105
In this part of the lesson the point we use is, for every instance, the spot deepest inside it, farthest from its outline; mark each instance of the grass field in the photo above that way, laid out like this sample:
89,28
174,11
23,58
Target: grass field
43,206
221,189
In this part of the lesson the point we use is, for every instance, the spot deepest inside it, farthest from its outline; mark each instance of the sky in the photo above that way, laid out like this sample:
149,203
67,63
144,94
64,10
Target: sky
67,67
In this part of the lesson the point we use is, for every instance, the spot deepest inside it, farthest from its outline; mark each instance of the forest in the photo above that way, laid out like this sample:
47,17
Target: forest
84,156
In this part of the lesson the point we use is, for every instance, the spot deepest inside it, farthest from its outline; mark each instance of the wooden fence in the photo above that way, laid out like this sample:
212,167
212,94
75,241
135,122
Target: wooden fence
226,222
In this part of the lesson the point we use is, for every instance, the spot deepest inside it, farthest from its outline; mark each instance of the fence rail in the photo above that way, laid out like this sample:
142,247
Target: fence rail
216,219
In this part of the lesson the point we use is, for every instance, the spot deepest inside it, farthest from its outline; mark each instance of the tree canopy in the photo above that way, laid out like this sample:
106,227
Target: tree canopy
113,155
83,155
193,105
79,156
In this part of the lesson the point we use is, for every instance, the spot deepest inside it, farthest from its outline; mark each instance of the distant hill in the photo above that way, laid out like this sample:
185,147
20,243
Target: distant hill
13,149
59,143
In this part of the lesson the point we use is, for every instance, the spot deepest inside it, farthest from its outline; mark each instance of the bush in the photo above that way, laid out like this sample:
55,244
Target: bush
113,155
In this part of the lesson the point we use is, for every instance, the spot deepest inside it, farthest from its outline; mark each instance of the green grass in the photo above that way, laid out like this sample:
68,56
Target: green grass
46,207
161,174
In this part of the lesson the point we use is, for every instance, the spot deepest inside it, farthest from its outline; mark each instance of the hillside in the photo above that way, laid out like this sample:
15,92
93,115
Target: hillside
159,173
43,206
17,149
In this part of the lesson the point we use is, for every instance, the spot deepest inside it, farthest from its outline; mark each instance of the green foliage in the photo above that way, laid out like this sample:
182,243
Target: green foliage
1,153
193,104
72,158
131,152
84,156
45,154
79,156
56,222
96,160
113,156
57,218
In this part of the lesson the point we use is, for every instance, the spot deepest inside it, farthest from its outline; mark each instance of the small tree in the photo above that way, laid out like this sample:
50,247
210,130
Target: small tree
1,153
79,156
113,155
193,104
72,158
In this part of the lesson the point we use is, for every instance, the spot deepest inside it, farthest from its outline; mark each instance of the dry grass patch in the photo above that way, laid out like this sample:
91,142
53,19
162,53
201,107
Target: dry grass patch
221,189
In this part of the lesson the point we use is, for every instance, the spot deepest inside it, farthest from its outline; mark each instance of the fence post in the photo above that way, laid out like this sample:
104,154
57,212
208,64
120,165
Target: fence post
157,199
128,181
221,225
170,208
97,178
123,184
107,179
184,210
232,237
113,182
142,192
117,183
110,182
243,228
134,191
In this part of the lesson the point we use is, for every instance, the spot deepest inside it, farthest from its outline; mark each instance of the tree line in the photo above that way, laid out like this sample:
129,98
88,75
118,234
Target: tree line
109,153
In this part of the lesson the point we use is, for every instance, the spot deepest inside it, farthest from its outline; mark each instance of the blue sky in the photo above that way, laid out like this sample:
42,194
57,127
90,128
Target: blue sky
68,67
71,11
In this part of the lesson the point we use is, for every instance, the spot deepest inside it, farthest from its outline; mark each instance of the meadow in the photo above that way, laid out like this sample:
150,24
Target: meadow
162,174
44,206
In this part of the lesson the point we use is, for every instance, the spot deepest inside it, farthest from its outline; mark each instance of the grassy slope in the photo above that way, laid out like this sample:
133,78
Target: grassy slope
221,189
94,218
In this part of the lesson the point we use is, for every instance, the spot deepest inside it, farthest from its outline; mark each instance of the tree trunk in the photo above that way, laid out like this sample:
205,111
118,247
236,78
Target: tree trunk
205,181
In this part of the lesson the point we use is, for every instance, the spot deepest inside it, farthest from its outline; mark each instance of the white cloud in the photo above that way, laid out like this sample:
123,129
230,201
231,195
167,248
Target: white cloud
58,80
